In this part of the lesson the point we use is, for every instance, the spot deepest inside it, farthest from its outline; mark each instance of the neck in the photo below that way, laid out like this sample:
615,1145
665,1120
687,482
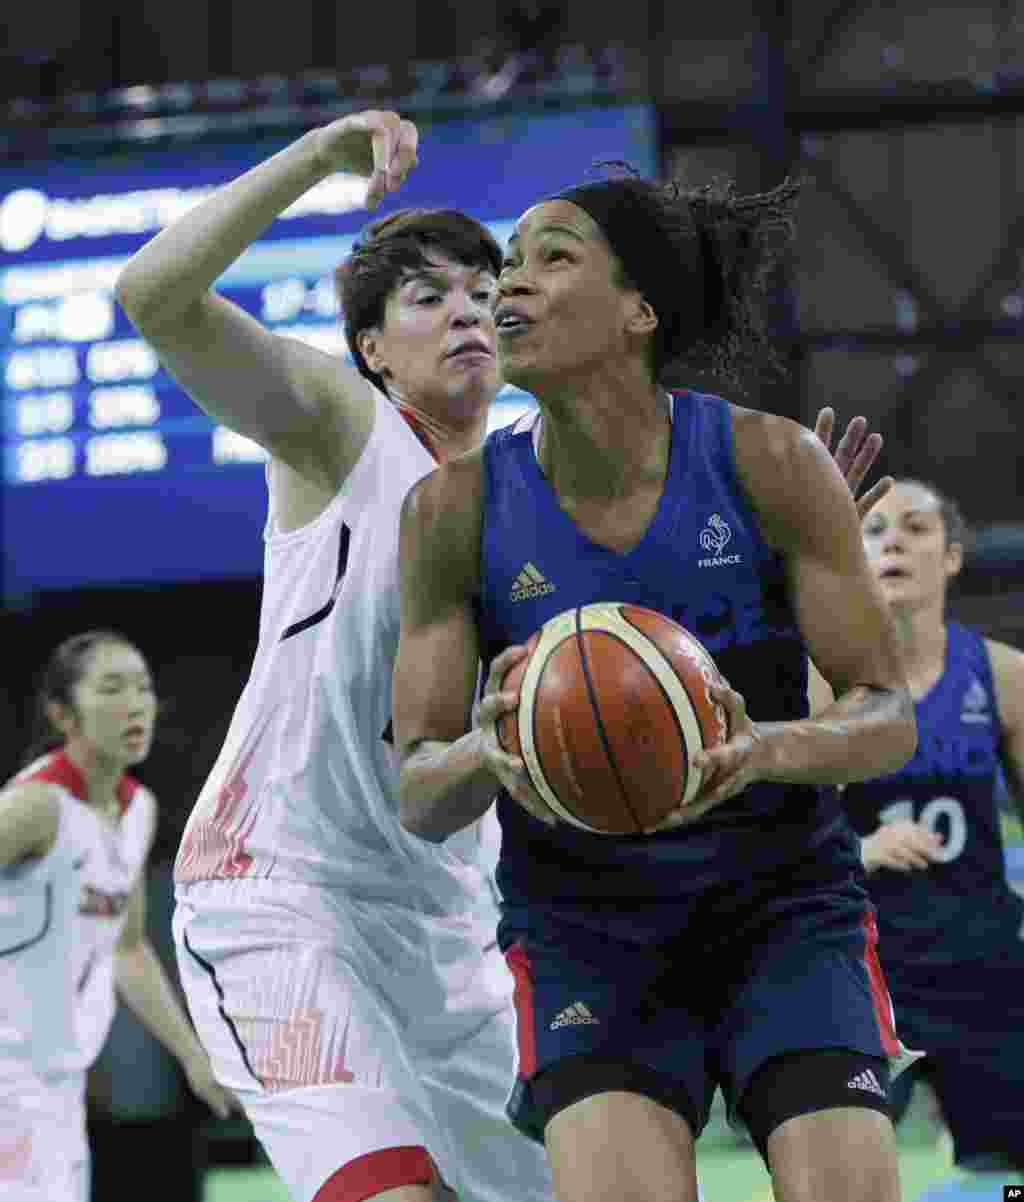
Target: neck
101,774
603,440
922,633
449,435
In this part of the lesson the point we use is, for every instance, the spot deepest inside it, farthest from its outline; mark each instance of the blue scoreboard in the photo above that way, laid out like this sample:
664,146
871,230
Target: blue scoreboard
110,473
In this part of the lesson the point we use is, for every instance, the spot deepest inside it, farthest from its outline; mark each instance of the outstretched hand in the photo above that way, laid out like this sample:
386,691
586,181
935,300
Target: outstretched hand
855,456
379,145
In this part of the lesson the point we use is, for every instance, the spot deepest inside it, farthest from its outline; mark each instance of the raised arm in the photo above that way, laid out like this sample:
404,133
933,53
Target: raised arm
29,815
306,408
807,512
445,781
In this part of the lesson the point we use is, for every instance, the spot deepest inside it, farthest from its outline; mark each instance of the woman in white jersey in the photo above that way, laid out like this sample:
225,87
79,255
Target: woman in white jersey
340,971
75,831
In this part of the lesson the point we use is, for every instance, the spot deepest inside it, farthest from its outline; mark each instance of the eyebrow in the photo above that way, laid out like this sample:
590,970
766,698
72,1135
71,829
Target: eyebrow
551,228
438,279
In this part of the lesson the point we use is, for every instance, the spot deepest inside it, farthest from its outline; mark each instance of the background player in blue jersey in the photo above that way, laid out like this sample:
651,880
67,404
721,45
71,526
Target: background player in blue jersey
952,929
738,949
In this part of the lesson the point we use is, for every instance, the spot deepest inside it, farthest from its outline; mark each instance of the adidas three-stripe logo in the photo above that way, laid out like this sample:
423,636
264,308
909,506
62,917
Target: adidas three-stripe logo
530,583
866,1081
576,1015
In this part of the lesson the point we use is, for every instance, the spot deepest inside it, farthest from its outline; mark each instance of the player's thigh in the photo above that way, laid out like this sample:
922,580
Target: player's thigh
843,1154
600,1036
617,1145
468,1085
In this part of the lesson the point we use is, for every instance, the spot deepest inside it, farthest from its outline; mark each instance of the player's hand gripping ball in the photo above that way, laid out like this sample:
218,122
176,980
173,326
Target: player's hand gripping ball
614,702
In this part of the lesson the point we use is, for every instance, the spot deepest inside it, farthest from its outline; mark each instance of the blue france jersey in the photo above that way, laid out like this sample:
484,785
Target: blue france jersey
962,908
702,561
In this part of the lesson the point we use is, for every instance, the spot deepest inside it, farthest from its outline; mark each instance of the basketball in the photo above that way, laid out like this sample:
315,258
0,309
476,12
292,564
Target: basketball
613,705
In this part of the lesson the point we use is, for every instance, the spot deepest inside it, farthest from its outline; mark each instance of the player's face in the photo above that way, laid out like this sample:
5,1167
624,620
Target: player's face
561,311
115,705
905,538
436,347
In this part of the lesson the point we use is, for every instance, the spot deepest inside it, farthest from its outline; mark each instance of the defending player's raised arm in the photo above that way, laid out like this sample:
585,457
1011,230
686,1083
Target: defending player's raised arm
445,781
306,408
29,817
869,729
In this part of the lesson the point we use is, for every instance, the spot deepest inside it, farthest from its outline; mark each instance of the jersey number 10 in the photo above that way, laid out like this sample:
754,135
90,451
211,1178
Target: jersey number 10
931,816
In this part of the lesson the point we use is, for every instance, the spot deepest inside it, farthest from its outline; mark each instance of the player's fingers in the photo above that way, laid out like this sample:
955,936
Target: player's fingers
734,703
875,493
405,152
493,706
501,664
824,425
850,443
863,462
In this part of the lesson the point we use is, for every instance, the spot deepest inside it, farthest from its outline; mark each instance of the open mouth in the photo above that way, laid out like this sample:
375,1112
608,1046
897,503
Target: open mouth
512,323
470,350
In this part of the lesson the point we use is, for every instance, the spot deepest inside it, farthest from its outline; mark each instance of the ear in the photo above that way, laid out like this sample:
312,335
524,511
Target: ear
368,345
954,559
61,718
642,319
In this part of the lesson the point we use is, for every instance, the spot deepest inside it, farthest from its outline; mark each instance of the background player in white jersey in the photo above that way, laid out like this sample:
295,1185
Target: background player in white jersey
336,967
75,831
339,971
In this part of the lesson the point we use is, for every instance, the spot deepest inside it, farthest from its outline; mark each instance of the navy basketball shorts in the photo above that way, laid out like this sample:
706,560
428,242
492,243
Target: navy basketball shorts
673,1017
969,1019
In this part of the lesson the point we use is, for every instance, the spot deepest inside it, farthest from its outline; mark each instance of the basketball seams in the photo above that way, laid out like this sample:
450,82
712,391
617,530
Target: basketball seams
552,636
687,771
609,618
602,732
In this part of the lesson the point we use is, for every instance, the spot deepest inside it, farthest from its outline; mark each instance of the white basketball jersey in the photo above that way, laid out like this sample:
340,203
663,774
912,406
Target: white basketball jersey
305,787
61,915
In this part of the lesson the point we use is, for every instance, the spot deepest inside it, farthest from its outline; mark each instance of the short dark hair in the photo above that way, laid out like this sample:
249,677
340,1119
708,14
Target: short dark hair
957,527
66,666
740,241
392,248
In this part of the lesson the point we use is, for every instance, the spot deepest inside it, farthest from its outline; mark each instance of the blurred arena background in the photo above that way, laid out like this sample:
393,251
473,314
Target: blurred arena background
123,506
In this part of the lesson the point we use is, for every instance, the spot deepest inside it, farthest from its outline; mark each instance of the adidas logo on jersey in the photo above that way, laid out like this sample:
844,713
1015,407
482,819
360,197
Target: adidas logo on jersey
866,1081
531,583
576,1015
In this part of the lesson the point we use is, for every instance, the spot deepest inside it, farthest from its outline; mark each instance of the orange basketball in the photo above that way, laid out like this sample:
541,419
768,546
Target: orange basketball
613,705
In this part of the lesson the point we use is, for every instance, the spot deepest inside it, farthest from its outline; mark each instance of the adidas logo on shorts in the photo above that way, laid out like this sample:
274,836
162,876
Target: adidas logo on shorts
576,1015
866,1081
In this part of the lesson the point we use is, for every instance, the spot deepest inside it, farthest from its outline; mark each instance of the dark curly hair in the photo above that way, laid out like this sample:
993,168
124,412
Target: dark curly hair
733,244
394,247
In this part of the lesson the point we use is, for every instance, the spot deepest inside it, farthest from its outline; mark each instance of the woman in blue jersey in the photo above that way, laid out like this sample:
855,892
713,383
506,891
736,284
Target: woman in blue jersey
952,929
75,832
736,949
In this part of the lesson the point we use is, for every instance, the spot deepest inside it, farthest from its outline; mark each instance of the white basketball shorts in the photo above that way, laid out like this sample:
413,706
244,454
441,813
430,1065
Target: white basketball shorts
44,1153
371,1046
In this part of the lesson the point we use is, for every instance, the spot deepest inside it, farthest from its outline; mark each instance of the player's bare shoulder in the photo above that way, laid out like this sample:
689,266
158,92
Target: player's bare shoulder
441,523
787,473
29,818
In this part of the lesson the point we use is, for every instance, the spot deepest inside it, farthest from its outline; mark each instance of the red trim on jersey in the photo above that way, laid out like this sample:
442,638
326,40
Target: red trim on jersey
418,428
879,990
388,1168
522,998
58,768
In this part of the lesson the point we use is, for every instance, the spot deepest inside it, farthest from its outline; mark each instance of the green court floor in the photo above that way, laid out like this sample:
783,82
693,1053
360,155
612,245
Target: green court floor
729,1174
